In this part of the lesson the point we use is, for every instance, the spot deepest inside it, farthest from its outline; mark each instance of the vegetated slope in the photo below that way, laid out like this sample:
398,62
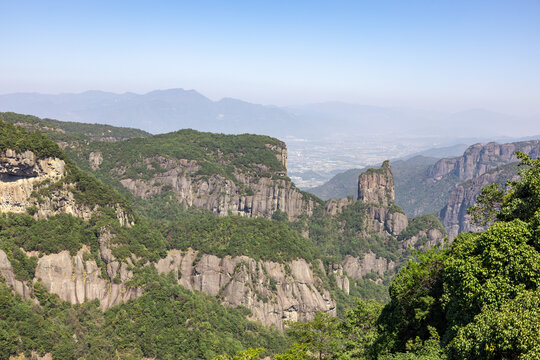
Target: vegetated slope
93,246
75,239
227,174
477,299
369,239
67,132
263,264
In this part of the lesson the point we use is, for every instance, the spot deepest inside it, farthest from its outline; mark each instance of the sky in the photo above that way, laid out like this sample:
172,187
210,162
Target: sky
431,54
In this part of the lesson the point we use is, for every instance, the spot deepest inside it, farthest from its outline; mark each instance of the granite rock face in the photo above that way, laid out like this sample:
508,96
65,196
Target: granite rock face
376,188
23,173
335,206
273,292
424,239
479,159
454,215
377,185
250,195
75,280
357,268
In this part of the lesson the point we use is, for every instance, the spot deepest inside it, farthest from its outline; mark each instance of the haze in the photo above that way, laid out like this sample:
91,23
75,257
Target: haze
435,55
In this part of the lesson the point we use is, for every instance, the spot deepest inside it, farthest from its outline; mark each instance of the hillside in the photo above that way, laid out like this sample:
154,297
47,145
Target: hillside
70,239
242,175
67,132
67,239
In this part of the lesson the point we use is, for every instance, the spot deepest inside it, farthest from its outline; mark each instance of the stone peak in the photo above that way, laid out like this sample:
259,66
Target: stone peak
377,185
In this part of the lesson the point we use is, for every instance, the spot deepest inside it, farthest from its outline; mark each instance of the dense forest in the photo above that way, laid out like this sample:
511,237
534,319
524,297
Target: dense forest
475,298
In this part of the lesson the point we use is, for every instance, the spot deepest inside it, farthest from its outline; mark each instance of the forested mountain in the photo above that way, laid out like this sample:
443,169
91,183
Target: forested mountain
193,244
217,213
446,187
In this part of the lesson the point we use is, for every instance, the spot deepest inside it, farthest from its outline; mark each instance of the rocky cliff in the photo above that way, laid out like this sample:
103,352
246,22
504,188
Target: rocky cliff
454,215
273,292
377,185
479,159
376,188
242,175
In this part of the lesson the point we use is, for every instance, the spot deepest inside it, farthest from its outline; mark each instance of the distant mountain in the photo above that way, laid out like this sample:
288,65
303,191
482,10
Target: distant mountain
170,110
157,111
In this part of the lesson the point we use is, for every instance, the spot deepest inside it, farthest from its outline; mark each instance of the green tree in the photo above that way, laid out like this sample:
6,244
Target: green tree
321,335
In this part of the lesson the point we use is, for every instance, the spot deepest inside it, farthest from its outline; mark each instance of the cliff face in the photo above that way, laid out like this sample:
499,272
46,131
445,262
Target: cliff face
273,292
376,188
247,193
454,215
20,173
357,268
23,175
479,159
377,185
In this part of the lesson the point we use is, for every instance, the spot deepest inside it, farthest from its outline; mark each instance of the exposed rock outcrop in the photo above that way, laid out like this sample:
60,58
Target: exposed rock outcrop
22,175
19,175
376,188
273,292
454,215
377,185
424,239
357,268
77,280
249,196
335,206
385,221
6,270
479,159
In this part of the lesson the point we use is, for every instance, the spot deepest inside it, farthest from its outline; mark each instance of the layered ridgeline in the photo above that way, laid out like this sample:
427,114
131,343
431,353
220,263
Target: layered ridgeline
284,256
446,187
242,175
64,236
477,299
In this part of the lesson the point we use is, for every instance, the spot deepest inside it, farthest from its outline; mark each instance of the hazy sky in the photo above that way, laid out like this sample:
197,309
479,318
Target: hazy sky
435,54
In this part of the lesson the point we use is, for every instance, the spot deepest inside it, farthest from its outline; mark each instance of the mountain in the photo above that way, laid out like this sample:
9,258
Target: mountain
157,111
162,111
407,173
188,255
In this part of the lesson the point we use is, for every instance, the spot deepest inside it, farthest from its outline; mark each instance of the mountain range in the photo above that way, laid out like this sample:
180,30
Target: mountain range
169,110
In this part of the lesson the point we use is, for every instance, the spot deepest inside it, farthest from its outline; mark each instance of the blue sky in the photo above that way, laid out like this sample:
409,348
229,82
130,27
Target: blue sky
447,55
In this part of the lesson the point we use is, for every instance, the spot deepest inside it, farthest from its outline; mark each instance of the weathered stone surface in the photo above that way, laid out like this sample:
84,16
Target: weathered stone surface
377,185
479,159
425,239
384,221
454,215
268,289
223,196
6,270
75,280
341,279
21,173
357,268
95,159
